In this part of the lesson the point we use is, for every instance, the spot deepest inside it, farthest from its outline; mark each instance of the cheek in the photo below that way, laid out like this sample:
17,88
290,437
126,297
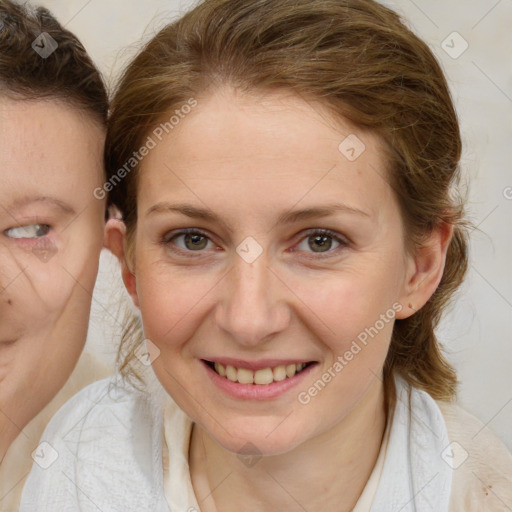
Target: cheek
351,300
46,276
35,290
171,305
50,288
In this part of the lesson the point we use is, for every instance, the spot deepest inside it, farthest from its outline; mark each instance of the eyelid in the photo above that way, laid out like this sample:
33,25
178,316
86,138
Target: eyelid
185,231
168,237
342,240
325,231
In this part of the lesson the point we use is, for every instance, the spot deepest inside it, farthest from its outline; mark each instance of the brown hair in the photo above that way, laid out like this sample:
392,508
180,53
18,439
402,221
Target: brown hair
359,60
67,74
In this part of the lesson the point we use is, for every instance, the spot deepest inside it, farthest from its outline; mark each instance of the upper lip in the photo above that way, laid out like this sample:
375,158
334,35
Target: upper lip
256,365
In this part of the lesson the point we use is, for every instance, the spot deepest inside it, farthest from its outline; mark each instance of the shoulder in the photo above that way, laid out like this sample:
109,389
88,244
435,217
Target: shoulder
105,442
95,405
17,462
482,465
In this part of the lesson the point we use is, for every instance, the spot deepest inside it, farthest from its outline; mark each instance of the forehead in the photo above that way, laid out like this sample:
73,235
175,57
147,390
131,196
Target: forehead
275,146
47,146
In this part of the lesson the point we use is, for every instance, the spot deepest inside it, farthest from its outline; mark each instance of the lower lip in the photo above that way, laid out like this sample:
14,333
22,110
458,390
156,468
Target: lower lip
257,391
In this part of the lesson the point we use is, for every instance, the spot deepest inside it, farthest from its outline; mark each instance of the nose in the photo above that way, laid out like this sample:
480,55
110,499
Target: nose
253,307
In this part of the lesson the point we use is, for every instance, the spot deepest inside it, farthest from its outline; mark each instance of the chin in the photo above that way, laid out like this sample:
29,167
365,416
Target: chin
257,438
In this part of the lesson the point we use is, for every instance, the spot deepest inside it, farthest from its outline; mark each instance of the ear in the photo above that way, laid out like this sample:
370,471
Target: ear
115,241
424,270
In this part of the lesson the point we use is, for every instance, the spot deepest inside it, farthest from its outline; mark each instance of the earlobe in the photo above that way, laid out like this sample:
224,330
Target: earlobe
425,270
115,241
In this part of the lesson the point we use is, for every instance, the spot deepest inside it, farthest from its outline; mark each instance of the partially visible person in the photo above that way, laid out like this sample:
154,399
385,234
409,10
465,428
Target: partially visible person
53,110
291,235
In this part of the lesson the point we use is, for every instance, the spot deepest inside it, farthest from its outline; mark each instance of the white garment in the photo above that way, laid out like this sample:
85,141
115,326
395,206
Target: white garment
411,480
17,462
178,488
110,441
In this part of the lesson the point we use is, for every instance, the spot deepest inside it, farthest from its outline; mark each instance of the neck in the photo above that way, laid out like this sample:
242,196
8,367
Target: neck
328,472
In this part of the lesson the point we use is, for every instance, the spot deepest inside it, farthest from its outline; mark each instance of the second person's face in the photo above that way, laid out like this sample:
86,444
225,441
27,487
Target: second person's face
51,234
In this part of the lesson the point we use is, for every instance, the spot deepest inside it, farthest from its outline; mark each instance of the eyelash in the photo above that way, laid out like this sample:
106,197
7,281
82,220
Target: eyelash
168,238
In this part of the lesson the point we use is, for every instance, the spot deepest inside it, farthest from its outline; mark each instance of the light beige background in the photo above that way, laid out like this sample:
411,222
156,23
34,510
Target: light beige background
478,332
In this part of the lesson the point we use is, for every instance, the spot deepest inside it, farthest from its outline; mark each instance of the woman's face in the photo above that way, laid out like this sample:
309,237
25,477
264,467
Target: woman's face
267,239
51,229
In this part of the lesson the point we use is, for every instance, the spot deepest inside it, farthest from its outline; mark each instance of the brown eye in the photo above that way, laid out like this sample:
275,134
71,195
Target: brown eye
195,242
320,243
188,241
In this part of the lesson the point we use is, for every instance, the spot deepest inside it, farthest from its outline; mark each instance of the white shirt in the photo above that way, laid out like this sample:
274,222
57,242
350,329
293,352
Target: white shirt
111,441
17,462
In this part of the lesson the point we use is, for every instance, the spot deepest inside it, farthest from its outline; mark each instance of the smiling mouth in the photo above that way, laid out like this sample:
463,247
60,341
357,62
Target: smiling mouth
264,376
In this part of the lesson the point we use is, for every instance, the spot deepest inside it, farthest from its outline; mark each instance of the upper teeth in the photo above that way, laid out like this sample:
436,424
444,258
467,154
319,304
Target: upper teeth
263,376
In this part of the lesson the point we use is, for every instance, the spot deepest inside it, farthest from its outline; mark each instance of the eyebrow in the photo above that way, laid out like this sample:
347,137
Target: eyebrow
25,201
319,212
289,217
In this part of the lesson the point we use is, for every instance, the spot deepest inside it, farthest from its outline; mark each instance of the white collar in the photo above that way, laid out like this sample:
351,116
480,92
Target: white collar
414,477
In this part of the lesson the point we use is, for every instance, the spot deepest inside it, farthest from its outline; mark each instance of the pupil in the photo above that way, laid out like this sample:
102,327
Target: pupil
42,230
197,241
322,241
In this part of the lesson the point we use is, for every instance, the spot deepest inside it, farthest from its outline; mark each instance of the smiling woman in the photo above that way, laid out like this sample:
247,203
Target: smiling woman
297,234
52,129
